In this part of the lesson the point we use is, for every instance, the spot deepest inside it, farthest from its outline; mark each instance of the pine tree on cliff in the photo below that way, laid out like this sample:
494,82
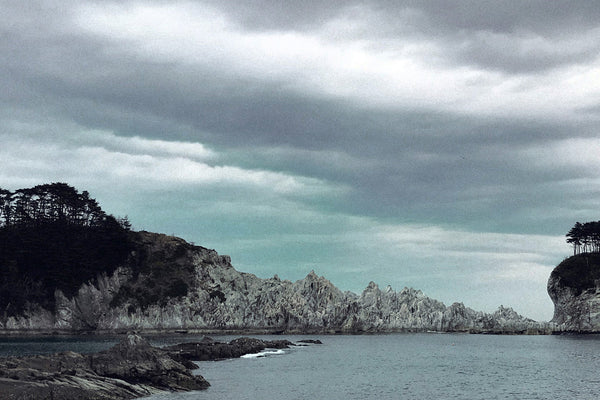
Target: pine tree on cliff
585,238
575,237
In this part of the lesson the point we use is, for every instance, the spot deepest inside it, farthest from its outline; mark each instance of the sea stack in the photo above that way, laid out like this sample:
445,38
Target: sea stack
574,287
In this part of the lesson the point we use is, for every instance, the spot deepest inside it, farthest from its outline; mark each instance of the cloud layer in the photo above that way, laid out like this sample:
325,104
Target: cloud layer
443,146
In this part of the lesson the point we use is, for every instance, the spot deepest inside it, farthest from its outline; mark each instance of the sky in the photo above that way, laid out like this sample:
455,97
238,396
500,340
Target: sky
446,146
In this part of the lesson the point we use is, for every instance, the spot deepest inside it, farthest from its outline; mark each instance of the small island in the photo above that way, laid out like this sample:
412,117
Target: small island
574,285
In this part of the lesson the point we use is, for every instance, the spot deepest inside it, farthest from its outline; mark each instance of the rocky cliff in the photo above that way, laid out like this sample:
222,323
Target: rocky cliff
574,287
171,284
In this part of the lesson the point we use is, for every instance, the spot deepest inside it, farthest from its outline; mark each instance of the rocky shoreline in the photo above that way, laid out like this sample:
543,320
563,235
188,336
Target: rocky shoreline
219,299
131,369
541,329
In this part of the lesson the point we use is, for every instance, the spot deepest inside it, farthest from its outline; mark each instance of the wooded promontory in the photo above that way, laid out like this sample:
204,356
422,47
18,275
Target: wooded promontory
53,237
67,266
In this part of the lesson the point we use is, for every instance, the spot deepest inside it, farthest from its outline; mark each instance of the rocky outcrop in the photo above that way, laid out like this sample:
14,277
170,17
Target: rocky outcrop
130,369
209,349
204,292
574,287
133,368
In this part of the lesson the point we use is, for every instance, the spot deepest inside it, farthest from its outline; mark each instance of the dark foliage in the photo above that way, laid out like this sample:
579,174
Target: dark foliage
580,272
585,237
162,269
53,237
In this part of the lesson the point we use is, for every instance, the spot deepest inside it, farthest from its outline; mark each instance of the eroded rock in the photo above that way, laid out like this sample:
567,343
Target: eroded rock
574,287
219,297
208,349
128,370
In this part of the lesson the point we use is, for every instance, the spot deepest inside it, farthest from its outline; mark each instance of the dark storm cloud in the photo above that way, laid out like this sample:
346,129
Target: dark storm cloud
390,178
77,68
514,36
496,16
411,165
506,147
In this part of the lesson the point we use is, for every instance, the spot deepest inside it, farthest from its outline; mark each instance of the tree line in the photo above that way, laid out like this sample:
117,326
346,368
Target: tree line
50,203
54,237
585,238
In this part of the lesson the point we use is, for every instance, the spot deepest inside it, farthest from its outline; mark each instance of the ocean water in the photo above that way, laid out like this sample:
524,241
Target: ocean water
394,366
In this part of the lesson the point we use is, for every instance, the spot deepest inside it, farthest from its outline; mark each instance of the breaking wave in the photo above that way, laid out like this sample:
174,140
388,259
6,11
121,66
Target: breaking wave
263,354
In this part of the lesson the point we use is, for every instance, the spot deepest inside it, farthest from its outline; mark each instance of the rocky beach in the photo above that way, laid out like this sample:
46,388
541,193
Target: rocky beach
132,368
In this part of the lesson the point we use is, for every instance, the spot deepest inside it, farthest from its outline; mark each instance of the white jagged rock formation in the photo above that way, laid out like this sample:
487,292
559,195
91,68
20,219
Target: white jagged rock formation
220,298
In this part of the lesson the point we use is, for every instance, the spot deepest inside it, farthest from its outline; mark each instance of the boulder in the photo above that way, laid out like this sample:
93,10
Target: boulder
310,341
136,361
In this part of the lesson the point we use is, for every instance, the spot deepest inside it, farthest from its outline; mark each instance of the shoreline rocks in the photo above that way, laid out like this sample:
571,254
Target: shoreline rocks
208,349
133,368
130,369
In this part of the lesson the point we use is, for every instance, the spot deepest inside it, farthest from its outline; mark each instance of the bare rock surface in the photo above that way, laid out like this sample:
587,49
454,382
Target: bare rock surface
128,370
574,287
310,341
218,297
209,349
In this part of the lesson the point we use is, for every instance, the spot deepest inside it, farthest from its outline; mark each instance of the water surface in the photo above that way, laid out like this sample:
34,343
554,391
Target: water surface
395,366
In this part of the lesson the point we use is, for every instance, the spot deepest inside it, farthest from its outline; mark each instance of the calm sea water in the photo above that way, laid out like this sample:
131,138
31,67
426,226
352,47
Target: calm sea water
396,366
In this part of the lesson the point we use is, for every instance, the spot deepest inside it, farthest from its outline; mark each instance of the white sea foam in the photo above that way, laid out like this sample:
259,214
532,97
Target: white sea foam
263,354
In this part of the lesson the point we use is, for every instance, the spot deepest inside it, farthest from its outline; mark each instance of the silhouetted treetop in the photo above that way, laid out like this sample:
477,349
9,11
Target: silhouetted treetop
585,237
49,203
53,237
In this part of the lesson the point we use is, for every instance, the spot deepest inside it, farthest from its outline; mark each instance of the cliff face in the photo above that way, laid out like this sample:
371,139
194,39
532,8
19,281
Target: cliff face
574,287
170,284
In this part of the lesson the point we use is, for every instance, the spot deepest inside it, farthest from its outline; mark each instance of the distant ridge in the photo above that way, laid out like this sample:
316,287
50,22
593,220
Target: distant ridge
164,283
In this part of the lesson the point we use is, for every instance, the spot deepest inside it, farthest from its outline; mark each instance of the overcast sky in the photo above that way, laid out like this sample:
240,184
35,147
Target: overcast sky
442,145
